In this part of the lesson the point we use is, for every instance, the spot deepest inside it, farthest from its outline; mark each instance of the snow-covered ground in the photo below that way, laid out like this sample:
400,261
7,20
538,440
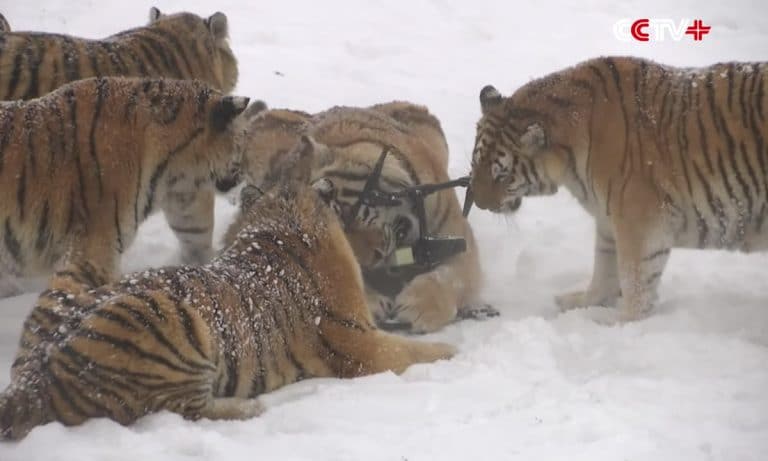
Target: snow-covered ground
689,383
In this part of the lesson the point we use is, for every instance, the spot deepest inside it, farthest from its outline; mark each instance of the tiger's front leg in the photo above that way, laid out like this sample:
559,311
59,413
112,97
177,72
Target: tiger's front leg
432,300
188,208
427,304
604,289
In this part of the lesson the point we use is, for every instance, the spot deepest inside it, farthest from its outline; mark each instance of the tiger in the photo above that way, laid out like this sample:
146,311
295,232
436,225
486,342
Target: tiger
661,157
181,46
349,141
284,302
83,166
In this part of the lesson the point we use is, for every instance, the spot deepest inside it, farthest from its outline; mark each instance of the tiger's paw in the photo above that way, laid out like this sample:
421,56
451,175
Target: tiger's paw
425,305
477,312
586,298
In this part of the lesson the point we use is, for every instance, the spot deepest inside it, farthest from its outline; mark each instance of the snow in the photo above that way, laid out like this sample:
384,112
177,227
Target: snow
689,383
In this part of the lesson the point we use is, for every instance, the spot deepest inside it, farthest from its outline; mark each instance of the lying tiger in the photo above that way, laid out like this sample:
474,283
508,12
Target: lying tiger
661,157
181,45
350,141
284,302
82,167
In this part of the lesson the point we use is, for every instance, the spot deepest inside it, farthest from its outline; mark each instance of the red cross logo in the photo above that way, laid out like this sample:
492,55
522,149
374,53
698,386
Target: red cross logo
698,30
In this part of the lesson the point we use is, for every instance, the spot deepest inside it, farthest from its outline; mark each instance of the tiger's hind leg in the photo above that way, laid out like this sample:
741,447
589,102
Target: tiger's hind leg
604,289
231,408
188,208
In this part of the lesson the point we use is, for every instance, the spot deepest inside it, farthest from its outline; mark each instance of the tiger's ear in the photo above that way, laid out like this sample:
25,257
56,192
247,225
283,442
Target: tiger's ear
226,110
534,138
304,158
489,97
4,26
217,24
154,14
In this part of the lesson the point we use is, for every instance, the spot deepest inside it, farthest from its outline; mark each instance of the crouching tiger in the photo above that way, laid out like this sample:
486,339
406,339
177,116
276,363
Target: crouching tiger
82,167
181,45
661,157
284,302
349,142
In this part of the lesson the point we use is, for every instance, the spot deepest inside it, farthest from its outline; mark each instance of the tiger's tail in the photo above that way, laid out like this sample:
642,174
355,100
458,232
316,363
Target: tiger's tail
23,406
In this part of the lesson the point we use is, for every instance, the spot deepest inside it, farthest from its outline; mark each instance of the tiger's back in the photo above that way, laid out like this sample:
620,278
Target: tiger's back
182,46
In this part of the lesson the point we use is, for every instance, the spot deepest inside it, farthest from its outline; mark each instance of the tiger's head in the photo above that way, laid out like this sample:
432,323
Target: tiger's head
510,158
374,232
186,122
211,40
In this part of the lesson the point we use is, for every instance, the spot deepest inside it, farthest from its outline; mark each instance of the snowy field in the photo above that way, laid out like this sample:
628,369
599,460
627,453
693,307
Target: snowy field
689,383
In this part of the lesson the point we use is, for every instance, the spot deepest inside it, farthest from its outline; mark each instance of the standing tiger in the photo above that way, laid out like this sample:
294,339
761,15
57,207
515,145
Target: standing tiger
182,46
661,157
82,167
349,141
283,303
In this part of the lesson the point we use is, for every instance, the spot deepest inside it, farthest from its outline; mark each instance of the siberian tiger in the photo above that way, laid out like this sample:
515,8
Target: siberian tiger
350,140
661,157
283,303
82,167
182,45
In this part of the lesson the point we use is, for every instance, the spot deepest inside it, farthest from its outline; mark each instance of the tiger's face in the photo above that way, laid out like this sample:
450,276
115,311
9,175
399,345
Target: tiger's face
507,160
374,232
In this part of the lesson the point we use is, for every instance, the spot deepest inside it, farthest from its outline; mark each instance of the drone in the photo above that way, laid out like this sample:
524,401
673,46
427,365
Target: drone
428,251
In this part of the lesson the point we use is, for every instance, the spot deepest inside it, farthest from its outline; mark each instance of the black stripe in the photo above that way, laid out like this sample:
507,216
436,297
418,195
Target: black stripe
43,231
136,197
150,327
171,68
118,66
657,254
730,78
67,399
701,225
12,243
34,60
21,191
175,43
15,75
102,92
71,59
119,231
189,330
7,116
131,348
160,170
